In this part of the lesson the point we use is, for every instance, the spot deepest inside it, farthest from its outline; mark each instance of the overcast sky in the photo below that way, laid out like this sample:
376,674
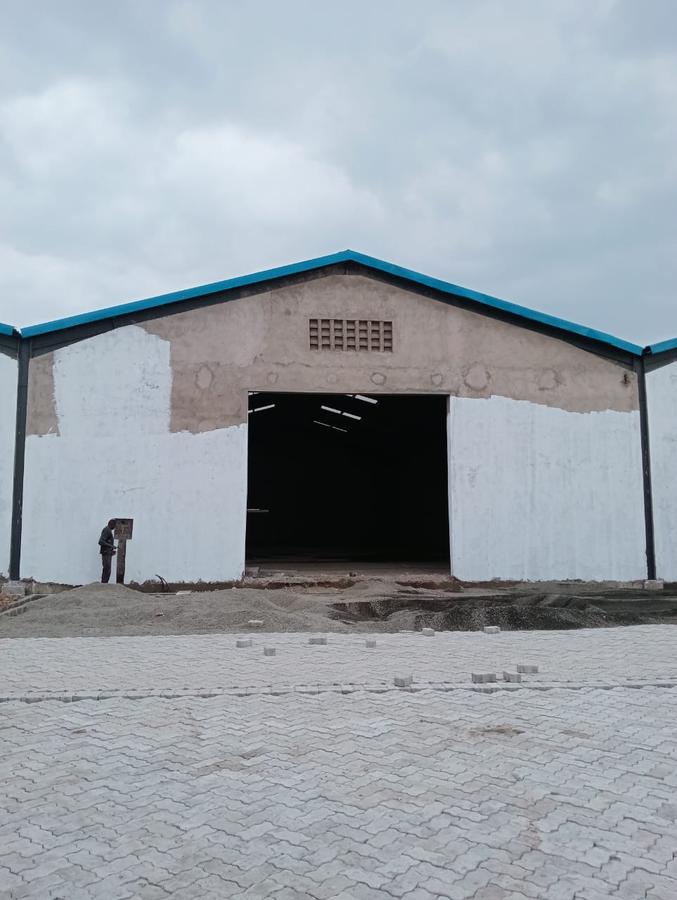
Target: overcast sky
524,149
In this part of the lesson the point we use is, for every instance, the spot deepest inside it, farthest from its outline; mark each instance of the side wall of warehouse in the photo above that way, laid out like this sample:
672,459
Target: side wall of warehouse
8,383
150,421
661,388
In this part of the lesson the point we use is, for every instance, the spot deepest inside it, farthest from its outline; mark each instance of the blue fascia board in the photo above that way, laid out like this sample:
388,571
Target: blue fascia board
311,264
7,329
662,346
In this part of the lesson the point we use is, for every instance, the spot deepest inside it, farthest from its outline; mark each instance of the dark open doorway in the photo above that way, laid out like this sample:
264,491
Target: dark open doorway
336,477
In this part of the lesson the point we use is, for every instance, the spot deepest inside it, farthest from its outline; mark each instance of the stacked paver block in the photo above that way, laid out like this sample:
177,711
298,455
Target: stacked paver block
483,677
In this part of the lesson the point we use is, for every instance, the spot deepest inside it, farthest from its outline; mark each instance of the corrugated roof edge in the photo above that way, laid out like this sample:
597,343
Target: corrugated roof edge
661,347
320,262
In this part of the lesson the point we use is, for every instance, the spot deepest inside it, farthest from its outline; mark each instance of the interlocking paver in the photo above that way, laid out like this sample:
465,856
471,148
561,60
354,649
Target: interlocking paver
222,788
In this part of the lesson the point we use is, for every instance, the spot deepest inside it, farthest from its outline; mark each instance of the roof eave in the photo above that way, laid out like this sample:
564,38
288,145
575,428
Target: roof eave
562,326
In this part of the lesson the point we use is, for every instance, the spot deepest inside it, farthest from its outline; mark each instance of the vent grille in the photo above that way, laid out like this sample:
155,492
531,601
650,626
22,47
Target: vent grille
375,335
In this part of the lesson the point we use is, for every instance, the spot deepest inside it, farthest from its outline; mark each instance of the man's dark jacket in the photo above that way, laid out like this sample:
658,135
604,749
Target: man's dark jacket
106,542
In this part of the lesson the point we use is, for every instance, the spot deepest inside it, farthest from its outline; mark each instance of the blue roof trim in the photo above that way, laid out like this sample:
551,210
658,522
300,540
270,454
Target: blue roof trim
503,305
662,346
333,258
203,290
6,329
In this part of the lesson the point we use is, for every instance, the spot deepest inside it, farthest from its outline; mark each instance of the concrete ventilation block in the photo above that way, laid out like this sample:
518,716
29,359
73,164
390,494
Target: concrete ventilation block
512,677
317,640
483,677
243,642
403,680
653,584
491,629
527,669
428,632
269,651
370,643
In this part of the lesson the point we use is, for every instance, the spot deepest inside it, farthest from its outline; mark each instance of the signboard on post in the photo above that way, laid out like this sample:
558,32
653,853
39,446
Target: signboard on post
122,533
123,529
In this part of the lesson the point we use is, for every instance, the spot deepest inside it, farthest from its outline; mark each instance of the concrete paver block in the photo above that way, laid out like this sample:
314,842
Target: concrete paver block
483,677
428,632
403,680
491,629
512,676
317,639
653,584
14,589
527,669
269,651
243,642
370,643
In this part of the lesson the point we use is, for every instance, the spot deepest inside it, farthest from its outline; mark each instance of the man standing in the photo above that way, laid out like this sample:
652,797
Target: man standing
107,550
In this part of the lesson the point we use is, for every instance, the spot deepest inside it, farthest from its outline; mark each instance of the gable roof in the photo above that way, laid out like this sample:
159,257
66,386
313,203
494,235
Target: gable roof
344,256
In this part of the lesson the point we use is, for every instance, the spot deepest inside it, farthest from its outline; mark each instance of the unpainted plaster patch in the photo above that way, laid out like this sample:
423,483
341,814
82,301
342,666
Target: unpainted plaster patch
548,380
41,415
476,377
259,342
204,378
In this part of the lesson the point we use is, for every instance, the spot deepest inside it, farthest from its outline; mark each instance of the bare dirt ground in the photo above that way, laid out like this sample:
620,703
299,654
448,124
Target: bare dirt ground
373,604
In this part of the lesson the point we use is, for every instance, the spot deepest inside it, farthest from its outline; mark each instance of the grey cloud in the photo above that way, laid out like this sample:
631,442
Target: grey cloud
526,150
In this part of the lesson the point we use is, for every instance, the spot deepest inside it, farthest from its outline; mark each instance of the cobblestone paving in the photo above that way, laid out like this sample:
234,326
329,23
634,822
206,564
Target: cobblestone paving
205,662
556,794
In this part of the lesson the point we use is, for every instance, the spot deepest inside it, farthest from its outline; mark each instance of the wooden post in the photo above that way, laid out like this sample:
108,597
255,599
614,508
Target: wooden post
123,533
122,553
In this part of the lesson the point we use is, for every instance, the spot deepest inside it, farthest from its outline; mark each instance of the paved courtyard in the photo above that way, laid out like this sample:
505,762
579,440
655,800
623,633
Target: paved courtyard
189,768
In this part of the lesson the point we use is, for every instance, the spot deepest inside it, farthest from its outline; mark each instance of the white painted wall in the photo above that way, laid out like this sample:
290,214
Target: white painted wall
8,379
115,456
537,493
661,389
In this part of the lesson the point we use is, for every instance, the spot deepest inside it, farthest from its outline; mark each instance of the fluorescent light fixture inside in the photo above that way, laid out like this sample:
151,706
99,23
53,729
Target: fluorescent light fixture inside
327,425
339,412
261,408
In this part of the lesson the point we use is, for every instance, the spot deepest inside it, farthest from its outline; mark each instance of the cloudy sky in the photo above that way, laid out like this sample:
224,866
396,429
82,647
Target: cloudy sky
524,149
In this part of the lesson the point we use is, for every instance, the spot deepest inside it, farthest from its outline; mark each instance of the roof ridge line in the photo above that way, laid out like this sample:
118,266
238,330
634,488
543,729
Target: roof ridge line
309,265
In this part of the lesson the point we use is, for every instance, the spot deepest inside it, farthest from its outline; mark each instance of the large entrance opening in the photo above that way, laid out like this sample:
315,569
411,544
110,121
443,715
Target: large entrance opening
348,478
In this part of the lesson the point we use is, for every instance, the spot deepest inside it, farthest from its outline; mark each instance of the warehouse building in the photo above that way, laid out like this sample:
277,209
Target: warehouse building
344,409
